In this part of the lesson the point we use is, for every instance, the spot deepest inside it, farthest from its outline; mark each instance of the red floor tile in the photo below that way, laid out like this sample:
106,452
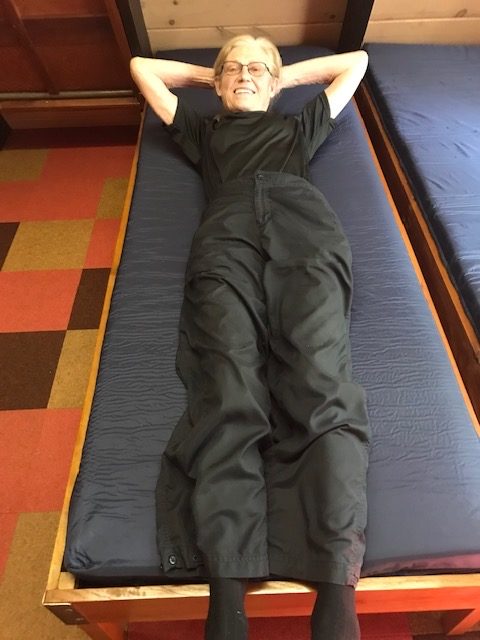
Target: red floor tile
378,627
51,460
102,244
69,188
20,433
37,300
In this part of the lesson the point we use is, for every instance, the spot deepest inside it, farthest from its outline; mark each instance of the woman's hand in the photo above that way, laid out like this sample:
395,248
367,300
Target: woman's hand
155,77
342,72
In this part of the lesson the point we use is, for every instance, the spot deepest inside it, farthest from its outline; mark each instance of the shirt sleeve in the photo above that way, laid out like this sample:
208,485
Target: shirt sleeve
316,122
187,129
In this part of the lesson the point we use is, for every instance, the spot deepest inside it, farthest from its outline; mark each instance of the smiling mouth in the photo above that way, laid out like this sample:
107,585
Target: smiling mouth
246,91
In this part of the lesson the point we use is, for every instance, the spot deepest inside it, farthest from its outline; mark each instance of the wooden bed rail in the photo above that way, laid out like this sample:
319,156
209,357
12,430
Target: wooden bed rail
104,613
461,335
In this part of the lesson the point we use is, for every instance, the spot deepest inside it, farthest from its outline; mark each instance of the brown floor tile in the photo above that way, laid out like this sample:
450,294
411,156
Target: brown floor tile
29,362
53,244
7,234
88,304
73,370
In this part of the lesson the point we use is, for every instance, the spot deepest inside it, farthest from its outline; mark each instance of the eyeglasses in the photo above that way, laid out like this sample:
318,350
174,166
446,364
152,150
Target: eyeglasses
255,69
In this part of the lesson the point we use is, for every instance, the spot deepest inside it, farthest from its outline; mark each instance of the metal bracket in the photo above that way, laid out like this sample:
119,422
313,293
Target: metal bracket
66,613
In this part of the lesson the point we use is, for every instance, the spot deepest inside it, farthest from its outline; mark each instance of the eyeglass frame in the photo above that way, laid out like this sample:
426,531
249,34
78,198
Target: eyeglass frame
241,66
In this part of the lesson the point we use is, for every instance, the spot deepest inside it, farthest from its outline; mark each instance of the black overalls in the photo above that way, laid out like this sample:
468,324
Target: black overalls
265,473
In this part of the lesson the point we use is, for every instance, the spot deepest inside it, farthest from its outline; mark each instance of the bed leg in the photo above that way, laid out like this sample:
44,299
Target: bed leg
105,631
458,622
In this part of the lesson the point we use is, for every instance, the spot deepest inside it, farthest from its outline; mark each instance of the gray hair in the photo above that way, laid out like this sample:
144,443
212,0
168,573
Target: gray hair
266,44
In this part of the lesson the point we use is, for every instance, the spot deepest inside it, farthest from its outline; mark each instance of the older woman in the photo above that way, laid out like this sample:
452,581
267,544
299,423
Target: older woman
265,472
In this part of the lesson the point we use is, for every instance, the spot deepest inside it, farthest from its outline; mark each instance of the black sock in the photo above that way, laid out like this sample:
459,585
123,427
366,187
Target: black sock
334,615
226,614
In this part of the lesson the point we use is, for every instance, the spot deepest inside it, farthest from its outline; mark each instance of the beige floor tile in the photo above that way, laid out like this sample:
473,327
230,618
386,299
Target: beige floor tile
21,164
112,198
58,244
73,371
21,612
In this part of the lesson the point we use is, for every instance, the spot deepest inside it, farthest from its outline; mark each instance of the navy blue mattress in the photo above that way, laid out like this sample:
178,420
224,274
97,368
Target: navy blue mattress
429,100
424,477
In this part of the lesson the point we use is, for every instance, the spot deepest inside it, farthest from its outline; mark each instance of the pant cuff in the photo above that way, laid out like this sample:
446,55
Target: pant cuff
311,570
237,567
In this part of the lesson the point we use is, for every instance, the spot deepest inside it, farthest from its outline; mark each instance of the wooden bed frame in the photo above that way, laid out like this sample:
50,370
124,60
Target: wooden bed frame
461,335
105,612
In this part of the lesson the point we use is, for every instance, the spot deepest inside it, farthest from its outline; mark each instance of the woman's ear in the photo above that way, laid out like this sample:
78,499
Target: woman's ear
217,86
275,87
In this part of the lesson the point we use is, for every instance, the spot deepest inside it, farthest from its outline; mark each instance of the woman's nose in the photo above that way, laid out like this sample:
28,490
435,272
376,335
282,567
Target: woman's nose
245,74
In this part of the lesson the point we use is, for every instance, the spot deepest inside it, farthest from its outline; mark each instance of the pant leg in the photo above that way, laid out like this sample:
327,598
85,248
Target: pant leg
316,467
212,468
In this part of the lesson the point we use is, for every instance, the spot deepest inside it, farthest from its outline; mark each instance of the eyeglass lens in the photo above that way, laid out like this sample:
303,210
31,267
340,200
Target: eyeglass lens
254,68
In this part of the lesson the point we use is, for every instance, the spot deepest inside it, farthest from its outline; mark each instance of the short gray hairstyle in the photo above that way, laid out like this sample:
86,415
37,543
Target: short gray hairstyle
266,44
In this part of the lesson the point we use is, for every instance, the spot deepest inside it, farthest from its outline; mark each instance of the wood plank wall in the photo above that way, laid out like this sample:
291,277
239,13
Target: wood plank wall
425,21
175,24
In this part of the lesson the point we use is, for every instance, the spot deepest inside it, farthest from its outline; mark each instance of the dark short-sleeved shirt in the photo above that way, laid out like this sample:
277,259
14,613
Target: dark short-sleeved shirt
235,144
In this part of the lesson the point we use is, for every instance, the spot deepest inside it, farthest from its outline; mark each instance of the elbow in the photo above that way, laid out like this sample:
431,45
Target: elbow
135,65
363,58
362,63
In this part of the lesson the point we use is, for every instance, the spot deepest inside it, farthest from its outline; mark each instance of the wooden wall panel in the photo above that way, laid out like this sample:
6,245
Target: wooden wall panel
442,31
421,9
207,13
205,23
55,8
323,34
425,21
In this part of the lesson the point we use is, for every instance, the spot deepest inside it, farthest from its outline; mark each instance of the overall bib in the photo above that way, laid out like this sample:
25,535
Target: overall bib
265,473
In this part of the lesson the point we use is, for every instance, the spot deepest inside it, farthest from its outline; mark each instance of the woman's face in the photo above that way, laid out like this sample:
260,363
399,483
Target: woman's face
243,92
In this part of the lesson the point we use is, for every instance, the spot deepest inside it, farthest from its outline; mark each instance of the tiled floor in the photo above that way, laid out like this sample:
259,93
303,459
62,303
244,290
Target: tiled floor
61,197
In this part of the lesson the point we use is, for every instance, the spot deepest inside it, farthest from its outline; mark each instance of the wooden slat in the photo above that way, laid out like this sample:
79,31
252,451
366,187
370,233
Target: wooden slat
413,9
461,339
270,599
207,13
82,54
15,19
428,31
321,34
31,114
119,33
50,8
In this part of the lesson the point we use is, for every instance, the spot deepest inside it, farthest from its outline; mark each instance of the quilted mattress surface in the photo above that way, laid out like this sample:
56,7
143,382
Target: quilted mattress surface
424,476
429,100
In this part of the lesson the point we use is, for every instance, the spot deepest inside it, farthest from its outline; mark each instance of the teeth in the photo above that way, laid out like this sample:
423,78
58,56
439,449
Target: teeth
244,91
